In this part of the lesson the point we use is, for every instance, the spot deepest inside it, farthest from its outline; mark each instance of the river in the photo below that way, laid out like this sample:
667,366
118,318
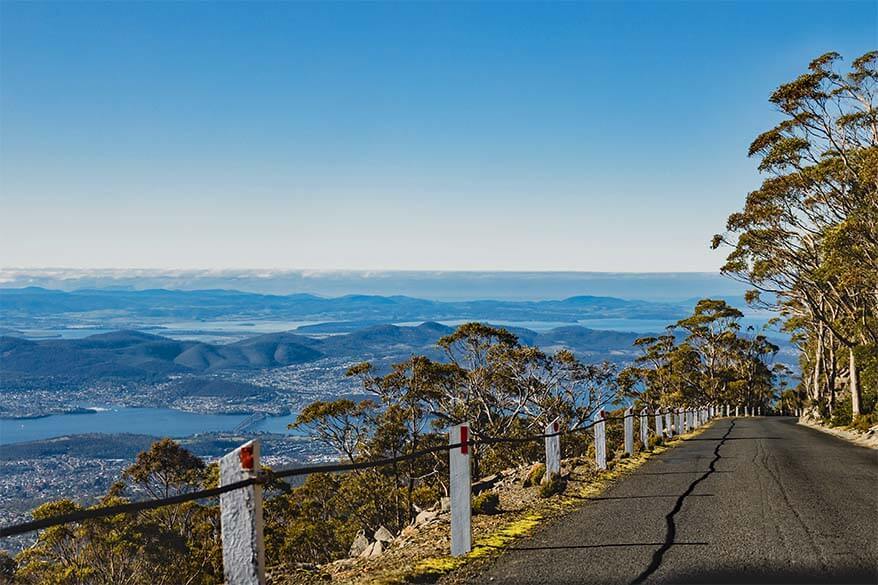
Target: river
163,422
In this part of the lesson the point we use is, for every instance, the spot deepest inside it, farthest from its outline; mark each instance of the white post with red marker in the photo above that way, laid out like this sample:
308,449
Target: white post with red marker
241,518
600,440
461,490
644,428
553,449
628,424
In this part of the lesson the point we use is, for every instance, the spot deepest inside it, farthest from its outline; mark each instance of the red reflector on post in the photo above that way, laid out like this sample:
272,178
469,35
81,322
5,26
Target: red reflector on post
556,426
464,438
246,455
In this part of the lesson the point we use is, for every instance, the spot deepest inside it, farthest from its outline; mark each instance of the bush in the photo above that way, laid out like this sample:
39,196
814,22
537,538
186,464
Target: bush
535,476
841,413
486,503
654,441
865,421
425,495
554,485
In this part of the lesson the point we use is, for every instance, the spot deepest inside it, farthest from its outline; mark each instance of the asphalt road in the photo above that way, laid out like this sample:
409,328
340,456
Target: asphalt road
750,500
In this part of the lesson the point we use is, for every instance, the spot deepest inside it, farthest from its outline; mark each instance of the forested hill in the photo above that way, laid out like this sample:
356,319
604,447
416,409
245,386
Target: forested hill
134,355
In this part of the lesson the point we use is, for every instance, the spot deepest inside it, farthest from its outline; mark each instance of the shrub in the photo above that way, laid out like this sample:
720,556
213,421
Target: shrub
554,485
841,413
865,421
654,441
486,503
535,476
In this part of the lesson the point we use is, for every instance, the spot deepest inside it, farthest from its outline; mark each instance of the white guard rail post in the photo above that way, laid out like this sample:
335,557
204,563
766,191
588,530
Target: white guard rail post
668,423
241,518
644,428
461,490
659,427
600,440
628,424
553,450
737,410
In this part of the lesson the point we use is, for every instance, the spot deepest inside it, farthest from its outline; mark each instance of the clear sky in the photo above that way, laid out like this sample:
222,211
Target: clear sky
575,136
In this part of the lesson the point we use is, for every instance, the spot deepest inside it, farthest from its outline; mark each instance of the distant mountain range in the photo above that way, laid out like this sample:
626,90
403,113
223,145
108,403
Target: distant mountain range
442,285
20,305
134,355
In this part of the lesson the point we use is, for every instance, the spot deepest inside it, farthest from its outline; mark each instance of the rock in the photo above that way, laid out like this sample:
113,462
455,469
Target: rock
425,516
359,545
445,504
383,535
369,551
485,483
344,563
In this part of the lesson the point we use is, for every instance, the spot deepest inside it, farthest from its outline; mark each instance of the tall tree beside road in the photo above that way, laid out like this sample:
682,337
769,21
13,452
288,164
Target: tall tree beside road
807,238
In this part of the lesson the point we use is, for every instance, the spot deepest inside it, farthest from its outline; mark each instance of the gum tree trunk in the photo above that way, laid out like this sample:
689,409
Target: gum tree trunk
855,384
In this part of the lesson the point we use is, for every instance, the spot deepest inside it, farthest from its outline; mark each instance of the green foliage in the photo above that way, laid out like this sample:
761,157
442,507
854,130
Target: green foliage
864,422
7,567
535,475
714,363
175,544
486,503
553,485
807,239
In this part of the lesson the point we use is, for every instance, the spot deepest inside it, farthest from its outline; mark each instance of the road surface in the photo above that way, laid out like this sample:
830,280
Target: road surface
750,500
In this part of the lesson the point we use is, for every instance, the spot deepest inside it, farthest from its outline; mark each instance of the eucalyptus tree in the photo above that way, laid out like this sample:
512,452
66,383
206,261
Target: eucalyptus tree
713,333
807,239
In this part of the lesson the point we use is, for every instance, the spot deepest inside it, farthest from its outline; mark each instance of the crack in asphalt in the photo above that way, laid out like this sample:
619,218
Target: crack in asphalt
671,532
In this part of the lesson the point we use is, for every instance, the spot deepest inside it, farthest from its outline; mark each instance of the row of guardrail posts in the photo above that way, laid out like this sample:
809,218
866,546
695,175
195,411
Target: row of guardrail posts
241,510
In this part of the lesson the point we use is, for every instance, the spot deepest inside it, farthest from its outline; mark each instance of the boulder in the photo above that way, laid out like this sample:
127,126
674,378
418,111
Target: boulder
425,516
445,504
383,535
373,550
359,545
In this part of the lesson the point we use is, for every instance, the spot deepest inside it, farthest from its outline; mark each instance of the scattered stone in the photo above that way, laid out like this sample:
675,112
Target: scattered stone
383,535
445,504
373,550
359,545
425,516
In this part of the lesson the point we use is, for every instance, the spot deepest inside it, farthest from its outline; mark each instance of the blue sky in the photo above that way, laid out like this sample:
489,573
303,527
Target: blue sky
576,136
